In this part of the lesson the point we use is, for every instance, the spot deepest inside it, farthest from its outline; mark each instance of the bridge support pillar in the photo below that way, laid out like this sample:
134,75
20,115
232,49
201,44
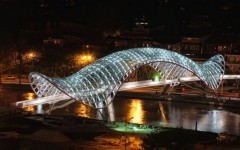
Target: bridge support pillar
165,88
39,109
110,109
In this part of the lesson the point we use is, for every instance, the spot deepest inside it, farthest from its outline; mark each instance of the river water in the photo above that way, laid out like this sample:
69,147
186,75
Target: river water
145,111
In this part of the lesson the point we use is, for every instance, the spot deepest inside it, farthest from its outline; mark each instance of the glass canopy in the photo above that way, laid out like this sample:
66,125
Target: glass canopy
97,84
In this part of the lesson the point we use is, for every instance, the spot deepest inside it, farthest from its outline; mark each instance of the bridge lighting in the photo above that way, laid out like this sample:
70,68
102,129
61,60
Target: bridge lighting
110,72
156,77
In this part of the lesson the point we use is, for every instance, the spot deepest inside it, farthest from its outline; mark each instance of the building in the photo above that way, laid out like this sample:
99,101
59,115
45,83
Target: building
138,36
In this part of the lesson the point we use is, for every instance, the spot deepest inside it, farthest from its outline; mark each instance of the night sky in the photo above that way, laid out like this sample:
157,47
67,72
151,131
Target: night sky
113,14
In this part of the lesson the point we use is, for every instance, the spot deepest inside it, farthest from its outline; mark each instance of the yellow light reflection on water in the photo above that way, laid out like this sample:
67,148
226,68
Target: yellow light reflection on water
83,110
164,119
29,96
30,109
136,113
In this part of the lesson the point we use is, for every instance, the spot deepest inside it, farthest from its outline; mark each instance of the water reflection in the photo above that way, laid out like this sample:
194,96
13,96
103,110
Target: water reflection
136,113
30,109
83,110
29,96
220,121
208,118
78,109
162,111
173,114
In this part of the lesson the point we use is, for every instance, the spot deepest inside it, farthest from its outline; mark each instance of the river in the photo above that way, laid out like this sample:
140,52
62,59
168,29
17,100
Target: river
145,111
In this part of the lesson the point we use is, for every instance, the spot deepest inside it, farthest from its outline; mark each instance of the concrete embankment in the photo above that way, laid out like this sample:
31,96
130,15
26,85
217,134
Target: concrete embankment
144,95
6,86
225,101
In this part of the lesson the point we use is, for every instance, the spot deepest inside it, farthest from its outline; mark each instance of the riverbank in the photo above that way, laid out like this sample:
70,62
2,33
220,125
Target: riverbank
71,132
62,133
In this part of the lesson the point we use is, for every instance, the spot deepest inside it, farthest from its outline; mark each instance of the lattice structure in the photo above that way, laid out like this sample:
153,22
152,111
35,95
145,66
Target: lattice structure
97,84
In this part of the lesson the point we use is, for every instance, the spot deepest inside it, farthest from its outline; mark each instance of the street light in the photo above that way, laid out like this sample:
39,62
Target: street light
84,59
30,56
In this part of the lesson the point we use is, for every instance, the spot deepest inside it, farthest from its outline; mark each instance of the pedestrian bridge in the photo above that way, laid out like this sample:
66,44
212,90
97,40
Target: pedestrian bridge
97,84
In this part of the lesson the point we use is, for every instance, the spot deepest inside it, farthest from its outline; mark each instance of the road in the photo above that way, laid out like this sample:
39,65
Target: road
158,89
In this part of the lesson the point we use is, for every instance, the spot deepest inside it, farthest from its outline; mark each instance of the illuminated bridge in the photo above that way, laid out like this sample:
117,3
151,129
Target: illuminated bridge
97,84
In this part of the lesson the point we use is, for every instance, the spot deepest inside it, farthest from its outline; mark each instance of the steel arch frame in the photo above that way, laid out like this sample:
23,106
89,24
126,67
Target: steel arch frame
97,84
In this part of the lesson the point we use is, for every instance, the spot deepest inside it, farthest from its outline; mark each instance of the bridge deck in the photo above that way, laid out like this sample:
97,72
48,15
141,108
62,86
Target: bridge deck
125,86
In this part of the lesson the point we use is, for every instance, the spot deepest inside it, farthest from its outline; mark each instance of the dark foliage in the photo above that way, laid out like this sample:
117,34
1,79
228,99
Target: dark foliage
176,139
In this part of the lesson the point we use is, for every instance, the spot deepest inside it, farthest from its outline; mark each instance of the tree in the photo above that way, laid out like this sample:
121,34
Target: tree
7,61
